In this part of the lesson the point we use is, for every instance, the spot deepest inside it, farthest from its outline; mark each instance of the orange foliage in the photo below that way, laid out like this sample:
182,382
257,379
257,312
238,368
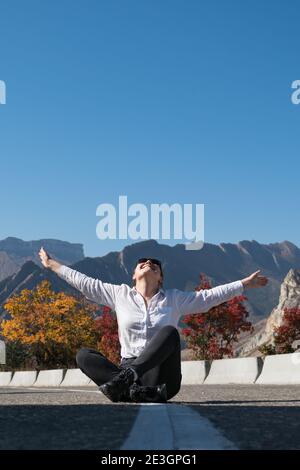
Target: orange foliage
53,326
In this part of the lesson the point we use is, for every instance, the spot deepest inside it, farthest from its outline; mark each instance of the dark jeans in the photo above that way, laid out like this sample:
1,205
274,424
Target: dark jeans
160,362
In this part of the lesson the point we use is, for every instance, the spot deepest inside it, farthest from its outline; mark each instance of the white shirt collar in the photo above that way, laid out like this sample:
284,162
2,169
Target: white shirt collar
161,290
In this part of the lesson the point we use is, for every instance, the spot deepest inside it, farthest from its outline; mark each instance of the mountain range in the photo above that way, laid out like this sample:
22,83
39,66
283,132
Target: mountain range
20,266
14,252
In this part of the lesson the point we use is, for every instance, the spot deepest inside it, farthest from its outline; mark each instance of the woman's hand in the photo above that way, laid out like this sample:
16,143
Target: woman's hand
254,280
45,258
47,261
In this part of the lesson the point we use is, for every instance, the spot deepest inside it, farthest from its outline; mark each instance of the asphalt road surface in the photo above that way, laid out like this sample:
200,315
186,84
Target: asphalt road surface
199,417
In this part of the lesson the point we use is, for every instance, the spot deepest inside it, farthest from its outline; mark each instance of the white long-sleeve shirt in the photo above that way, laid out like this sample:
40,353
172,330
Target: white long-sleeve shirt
137,323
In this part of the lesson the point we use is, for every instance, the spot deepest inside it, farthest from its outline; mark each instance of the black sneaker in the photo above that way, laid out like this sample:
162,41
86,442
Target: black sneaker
117,389
142,393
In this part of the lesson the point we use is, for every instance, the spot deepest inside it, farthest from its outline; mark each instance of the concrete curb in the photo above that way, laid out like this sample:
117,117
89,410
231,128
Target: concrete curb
76,378
92,384
5,378
49,378
242,370
23,378
281,369
194,372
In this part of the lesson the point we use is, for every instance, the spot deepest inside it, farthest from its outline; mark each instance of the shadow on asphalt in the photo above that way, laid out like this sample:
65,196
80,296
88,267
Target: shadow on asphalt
101,426
255,427
106,426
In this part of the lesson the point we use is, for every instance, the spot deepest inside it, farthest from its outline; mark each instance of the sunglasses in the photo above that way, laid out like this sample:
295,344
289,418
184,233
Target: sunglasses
153,261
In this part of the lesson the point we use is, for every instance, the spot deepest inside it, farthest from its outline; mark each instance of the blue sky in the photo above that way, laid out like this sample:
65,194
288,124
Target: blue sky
163,101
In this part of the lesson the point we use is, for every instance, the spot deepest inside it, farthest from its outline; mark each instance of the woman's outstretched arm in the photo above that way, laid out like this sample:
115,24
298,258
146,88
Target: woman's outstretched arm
203,300
103,293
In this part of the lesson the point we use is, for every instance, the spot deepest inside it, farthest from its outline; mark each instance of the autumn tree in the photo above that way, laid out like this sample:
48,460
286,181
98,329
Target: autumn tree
287,335
211,335
46,328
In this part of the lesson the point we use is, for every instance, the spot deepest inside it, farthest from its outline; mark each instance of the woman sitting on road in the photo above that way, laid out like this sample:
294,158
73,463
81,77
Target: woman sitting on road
148,316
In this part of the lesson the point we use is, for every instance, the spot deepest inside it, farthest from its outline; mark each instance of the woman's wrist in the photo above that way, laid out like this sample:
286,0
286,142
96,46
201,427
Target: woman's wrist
53,265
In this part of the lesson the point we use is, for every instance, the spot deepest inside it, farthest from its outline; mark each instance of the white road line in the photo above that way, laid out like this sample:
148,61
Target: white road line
193,431
151,429
173,426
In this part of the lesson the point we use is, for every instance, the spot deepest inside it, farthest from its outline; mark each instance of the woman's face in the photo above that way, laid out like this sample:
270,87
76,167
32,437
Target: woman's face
147,270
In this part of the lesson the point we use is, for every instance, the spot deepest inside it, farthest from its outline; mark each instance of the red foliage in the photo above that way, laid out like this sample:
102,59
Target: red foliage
288,331
106,326
211,334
